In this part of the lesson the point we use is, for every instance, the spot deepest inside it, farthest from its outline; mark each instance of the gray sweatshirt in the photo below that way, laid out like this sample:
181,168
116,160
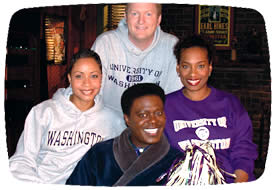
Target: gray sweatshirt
125,65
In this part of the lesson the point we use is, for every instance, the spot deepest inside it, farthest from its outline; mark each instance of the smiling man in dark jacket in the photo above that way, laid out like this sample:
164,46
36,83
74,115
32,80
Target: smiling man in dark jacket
141,155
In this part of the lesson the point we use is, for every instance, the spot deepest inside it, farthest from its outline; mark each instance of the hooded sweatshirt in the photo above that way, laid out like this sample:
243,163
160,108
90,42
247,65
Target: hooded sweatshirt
125,65
57,134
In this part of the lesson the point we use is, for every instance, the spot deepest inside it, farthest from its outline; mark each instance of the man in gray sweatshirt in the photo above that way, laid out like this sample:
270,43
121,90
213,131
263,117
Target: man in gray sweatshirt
137,51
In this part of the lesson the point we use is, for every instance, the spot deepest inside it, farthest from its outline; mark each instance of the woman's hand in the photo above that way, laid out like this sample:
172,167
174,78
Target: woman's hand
241,176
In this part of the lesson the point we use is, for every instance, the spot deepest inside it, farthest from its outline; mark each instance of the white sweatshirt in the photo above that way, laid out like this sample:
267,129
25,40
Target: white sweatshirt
125,65
57,134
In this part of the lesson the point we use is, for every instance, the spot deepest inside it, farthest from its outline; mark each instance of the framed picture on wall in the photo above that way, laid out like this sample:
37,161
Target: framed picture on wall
216,22
55,31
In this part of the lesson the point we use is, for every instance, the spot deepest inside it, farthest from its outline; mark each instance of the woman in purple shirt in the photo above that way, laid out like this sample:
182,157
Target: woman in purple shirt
198,113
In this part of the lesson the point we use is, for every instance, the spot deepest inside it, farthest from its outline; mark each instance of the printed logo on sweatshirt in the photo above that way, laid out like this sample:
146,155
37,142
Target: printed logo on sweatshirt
70,138
125,84
217,144
135,70
202,132
134,75
182,124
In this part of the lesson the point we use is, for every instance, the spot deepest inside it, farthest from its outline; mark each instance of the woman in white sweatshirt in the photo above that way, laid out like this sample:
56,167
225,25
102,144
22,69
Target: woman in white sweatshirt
59,131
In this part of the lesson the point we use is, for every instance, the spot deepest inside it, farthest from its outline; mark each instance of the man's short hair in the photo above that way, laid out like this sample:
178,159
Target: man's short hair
159,8
139,90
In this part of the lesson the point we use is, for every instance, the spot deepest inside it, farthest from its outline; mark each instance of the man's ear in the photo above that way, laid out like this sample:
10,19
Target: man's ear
159,19
126,119
125,16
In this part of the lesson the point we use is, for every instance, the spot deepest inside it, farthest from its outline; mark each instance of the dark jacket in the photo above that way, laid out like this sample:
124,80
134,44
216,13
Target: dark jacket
115,163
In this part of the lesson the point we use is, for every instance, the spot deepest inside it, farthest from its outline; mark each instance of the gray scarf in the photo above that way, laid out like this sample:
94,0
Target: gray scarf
130,163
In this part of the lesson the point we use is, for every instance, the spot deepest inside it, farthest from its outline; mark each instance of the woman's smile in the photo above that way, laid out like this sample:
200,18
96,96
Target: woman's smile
193,82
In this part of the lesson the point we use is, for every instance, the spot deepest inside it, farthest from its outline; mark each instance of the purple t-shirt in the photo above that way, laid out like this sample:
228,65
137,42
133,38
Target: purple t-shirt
219,118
